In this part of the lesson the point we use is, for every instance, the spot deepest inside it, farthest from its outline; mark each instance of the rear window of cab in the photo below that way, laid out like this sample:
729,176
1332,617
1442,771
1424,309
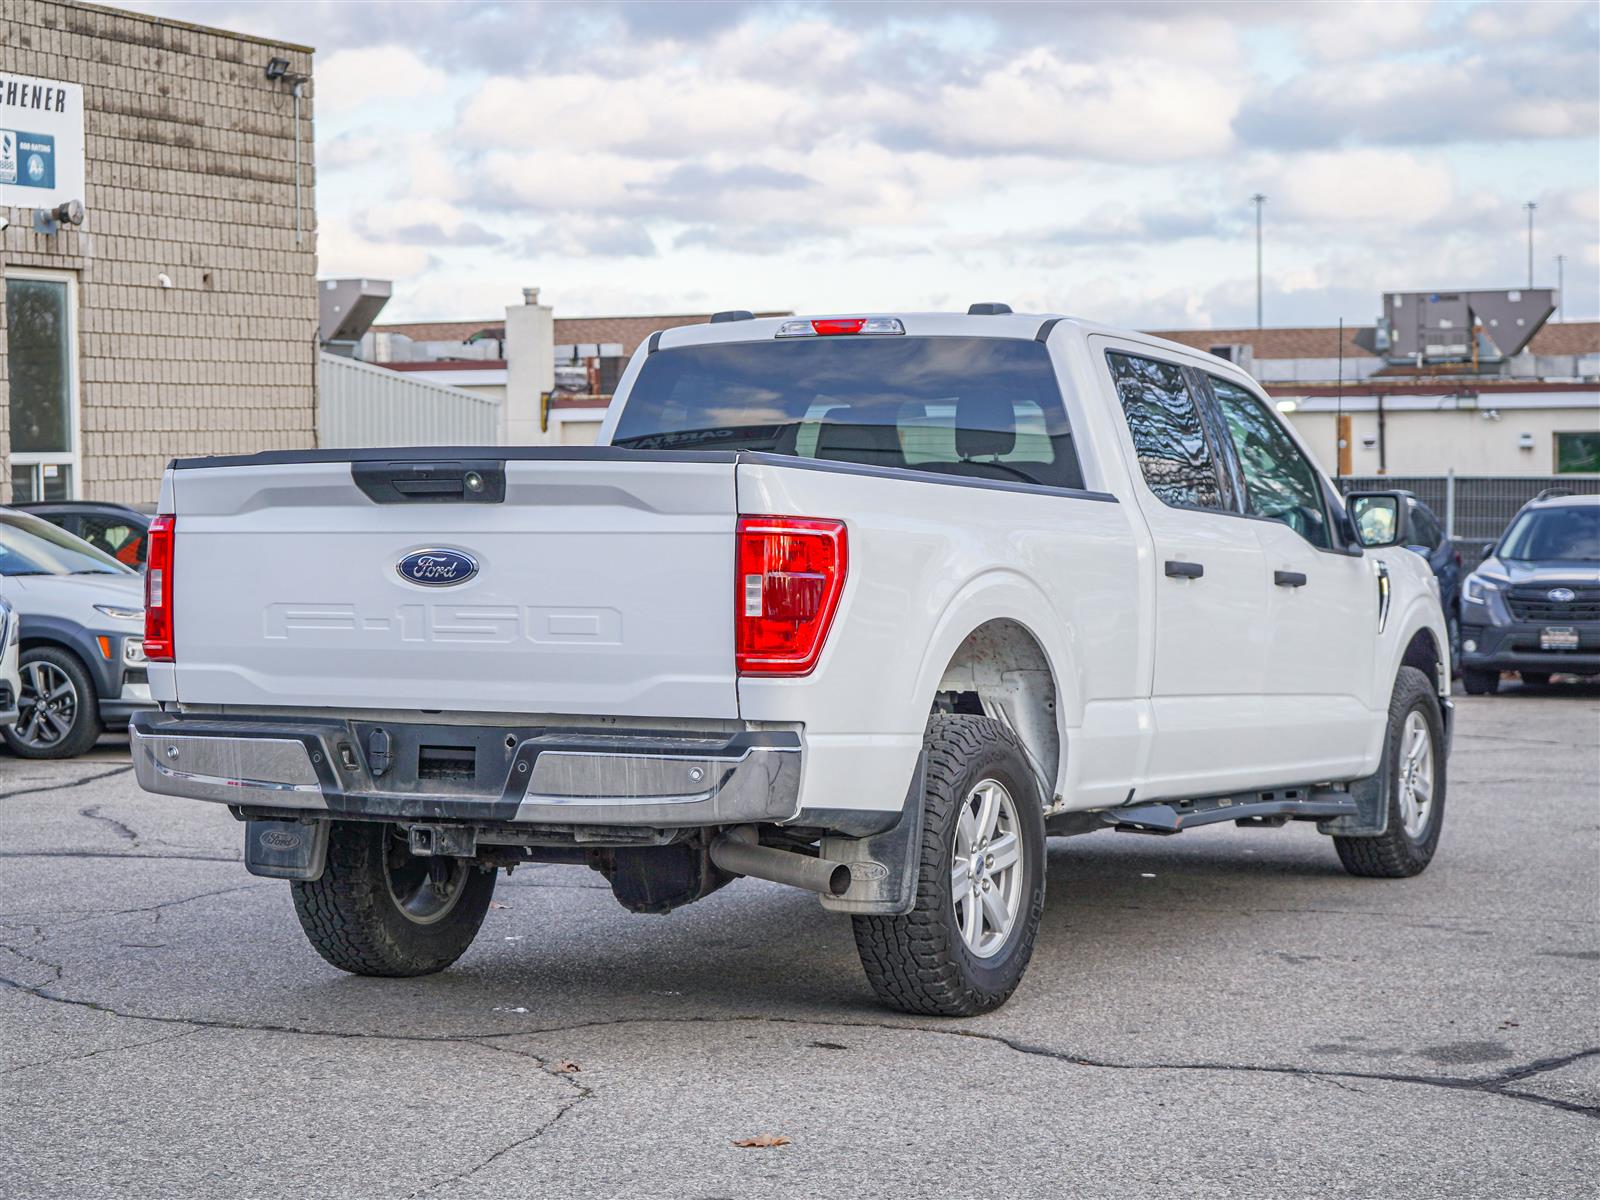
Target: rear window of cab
987,408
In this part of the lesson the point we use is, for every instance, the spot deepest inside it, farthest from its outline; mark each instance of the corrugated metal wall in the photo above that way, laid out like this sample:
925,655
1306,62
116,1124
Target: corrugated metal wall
362,405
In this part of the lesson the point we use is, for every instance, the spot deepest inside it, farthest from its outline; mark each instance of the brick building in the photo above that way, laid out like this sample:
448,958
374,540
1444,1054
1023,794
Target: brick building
180,316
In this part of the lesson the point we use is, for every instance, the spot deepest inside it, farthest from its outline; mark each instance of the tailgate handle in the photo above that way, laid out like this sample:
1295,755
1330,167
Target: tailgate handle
438,481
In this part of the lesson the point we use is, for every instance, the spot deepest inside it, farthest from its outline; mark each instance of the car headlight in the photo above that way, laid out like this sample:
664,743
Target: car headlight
119,613
1477,590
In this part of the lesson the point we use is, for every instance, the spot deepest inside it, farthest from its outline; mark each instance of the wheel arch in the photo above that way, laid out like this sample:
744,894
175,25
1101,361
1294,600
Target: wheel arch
999,643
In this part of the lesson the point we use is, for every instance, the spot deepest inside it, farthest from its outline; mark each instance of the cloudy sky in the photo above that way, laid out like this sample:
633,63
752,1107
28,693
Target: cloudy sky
1089,158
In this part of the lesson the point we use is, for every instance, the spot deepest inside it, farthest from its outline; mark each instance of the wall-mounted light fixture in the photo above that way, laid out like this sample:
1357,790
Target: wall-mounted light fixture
49,221
278,69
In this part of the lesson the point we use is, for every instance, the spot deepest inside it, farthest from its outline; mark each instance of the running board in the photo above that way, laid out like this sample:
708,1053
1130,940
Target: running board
1250,808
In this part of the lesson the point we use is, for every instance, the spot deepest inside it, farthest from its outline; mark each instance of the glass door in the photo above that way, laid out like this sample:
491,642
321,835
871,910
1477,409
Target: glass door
42,354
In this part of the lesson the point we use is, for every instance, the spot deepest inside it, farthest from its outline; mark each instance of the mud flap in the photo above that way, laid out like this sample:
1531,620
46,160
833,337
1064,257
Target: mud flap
1371,818
883,867
286,849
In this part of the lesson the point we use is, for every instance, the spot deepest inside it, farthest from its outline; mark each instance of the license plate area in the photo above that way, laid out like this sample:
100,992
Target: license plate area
1558,637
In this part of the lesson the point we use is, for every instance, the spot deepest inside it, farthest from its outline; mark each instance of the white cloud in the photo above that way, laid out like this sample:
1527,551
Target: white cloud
347,79
342,250
1350,188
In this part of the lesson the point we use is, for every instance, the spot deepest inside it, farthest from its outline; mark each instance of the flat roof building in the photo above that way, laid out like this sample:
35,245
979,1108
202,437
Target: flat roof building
157,184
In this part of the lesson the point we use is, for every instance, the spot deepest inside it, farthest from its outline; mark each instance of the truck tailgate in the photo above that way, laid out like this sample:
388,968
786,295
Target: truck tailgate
603,586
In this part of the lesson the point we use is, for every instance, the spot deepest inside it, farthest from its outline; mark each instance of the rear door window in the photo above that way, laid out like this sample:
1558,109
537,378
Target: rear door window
986,408
1279,481
1168,434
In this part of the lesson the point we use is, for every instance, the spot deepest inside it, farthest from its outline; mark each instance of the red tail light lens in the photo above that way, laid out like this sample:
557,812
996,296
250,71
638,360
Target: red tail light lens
158,590
790,572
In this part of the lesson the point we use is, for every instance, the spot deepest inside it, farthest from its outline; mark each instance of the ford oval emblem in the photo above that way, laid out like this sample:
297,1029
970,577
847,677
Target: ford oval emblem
1562,595
437,567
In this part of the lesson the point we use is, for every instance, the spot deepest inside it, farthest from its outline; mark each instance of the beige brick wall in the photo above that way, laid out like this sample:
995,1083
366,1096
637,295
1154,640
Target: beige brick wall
189,173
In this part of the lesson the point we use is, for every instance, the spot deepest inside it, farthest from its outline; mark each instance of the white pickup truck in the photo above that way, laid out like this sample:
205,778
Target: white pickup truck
868,605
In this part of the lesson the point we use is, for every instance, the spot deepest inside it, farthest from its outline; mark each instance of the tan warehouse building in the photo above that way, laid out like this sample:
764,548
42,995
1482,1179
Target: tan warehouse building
180,316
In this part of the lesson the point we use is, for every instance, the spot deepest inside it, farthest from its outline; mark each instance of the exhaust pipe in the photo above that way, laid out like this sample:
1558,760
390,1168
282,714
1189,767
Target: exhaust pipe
736,851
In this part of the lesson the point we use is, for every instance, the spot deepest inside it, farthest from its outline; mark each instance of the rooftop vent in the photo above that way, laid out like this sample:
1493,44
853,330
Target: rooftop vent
988,308
348,307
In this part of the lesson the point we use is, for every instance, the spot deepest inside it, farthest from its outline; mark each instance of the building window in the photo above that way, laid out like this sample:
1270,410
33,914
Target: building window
42,358
1578,454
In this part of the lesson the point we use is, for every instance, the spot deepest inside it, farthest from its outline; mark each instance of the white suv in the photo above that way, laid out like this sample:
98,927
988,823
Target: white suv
864,604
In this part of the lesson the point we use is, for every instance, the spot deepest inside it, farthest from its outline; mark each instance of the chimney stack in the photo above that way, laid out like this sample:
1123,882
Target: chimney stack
530,295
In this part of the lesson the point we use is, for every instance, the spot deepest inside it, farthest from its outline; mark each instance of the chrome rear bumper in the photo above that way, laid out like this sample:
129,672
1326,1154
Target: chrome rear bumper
532,775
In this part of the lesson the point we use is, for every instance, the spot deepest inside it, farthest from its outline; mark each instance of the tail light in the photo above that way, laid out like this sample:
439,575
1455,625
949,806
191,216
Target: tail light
790,572
158,590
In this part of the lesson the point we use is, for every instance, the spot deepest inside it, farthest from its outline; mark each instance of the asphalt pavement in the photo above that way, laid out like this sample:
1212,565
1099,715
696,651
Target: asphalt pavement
1222,1013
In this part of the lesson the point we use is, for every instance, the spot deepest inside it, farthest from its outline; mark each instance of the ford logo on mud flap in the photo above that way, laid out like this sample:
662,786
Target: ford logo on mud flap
436,567
280,839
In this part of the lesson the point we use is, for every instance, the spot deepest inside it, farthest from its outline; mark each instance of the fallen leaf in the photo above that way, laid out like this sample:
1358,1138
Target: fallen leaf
761,1141
567,1068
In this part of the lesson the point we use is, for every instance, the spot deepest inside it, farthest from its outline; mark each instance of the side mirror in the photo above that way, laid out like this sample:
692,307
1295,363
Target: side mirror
1488,550
1381,518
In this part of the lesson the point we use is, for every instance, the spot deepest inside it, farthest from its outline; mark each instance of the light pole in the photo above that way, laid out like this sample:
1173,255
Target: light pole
1561,283
1530,206
1258,200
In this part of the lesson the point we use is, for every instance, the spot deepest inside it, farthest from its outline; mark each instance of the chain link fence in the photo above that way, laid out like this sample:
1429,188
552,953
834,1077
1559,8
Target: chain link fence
1474,509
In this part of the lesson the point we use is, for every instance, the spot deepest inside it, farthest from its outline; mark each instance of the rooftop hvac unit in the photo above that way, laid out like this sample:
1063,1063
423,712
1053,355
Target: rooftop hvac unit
1485,326
347,309
1240,354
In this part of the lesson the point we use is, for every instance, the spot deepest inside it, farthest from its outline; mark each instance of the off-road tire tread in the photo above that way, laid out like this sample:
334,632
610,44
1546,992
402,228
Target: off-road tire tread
346,913
911,960
1393,854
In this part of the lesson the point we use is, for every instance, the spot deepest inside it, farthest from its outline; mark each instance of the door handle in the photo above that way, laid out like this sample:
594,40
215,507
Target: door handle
1289,578
1184,570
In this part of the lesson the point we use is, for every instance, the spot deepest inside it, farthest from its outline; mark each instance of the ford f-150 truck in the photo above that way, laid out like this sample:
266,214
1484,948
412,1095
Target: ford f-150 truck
868,605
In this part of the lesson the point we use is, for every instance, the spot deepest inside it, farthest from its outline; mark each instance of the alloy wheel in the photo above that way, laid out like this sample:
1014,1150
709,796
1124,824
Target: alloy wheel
986,875
1416,774
47,708
424,888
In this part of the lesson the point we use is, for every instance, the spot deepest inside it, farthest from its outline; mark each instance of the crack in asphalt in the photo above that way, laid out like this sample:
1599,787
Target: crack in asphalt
60,1059
1496,1084
92,812
584,1092
68,786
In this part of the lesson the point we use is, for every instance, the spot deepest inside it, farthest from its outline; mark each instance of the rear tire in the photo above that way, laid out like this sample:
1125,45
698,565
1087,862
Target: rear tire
1479,682
933,960
59,708
379,910
1414,787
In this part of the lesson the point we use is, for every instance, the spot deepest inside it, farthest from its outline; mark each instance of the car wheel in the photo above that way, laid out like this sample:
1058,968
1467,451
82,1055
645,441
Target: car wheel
1535,678
1414,782
1479,682
58,710
381,910
963,947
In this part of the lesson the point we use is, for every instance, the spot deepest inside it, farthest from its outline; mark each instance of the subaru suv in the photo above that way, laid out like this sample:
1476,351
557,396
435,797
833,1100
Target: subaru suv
1533,604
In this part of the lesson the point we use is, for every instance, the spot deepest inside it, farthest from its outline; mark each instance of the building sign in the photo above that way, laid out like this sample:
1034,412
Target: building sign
41,142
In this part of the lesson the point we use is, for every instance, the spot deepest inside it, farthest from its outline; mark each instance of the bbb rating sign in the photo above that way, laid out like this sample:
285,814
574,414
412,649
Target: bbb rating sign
41,142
